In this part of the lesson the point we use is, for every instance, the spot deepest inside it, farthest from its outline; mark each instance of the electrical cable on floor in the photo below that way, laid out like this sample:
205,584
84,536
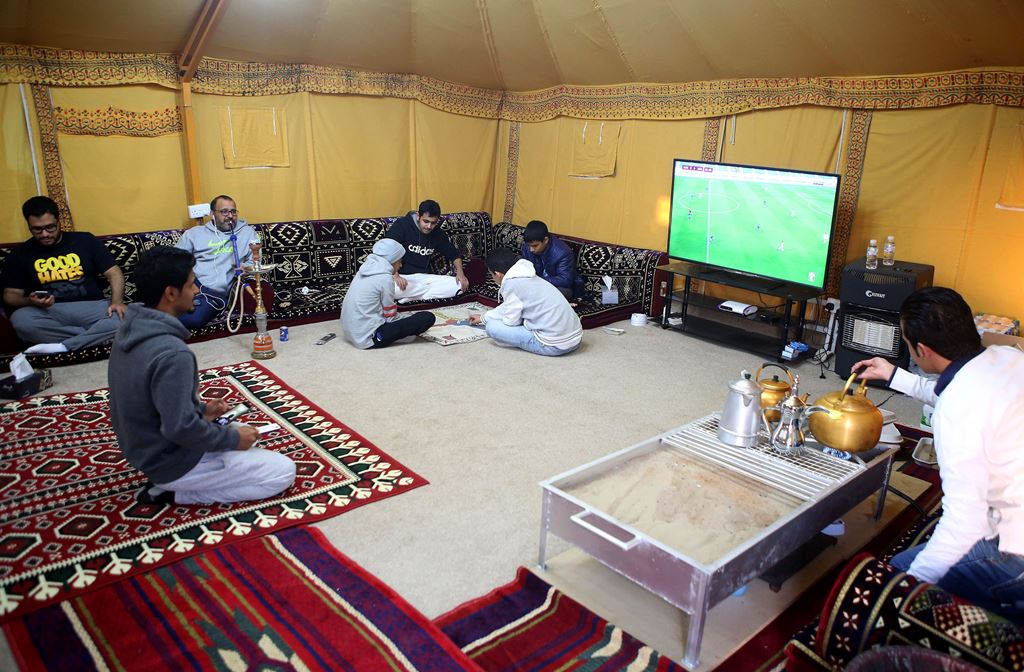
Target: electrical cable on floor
886,399
822,355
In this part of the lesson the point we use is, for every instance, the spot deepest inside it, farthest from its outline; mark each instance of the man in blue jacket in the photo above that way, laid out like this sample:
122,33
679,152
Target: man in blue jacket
551,258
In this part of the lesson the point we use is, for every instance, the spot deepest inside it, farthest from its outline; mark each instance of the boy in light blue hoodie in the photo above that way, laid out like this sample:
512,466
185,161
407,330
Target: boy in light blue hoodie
220,247
369,313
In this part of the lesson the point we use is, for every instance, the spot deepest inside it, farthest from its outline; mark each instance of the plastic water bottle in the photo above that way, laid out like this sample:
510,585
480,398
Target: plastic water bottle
872,256
889,251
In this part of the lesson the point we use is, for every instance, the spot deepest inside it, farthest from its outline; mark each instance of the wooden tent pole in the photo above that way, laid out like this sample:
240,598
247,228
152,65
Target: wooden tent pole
209,16
192,53
188,125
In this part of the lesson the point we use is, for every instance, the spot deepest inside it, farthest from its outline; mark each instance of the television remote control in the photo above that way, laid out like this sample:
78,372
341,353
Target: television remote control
323,339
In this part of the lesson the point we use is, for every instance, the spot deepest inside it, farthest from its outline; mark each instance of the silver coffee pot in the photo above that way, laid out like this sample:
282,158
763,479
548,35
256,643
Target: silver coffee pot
741,416
787,436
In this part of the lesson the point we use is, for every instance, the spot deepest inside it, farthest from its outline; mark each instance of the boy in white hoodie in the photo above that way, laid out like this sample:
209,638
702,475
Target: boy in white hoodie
369,314
533,315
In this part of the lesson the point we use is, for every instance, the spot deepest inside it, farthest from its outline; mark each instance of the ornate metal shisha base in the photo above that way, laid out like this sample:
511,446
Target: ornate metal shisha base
262,342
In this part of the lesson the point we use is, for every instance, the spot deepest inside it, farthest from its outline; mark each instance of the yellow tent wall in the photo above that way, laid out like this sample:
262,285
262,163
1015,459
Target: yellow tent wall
930,176
17,176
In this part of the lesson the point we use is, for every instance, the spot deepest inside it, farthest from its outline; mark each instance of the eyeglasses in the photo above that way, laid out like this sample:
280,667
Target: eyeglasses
226,211
48,228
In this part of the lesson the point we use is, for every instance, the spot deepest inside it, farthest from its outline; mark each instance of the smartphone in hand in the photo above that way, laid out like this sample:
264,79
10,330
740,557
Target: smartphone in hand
41,293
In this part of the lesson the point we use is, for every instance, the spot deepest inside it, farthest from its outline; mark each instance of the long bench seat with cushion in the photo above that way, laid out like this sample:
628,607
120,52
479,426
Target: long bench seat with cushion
323,256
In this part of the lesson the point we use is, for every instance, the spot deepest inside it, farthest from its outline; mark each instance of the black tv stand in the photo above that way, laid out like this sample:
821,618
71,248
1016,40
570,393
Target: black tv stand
735,334
723,277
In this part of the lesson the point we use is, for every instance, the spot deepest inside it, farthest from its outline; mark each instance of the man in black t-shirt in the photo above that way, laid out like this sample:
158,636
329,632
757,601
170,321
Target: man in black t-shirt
419,233
51,282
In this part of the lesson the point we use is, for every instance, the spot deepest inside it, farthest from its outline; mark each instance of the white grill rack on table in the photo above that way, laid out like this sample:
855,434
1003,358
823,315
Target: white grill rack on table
804,476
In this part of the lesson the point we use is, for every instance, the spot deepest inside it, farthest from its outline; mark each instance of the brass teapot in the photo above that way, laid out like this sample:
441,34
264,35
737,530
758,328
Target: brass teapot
853,422
774,391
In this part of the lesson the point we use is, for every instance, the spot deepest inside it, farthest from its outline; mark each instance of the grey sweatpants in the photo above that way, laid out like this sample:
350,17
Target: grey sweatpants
76,324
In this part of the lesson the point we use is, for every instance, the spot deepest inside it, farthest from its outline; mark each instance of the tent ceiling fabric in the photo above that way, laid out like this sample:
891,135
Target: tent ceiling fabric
522,45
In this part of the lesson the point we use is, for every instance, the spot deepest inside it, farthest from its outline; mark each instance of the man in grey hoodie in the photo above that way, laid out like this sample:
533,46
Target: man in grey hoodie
533,314
162,427
369,314
221,247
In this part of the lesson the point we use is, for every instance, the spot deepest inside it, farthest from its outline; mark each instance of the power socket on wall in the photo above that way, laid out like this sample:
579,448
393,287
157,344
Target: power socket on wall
831,305
198,210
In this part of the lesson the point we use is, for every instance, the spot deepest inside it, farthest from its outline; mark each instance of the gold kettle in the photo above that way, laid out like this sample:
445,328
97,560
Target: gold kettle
853,422
774,391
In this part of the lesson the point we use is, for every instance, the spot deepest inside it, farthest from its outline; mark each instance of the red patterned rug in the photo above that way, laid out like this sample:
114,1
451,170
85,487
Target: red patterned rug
529,625
286,601
68,516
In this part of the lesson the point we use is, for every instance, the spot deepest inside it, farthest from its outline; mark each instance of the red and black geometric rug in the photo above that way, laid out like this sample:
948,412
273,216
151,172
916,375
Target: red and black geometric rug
287,601
68,516
528,625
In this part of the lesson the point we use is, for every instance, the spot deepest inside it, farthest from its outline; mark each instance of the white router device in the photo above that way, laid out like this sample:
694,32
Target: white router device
737,307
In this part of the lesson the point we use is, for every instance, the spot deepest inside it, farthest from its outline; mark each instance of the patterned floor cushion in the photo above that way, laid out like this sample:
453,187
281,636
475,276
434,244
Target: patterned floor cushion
873,604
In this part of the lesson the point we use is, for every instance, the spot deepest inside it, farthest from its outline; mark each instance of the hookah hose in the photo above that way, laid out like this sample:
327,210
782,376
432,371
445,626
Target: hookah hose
237,292
235,295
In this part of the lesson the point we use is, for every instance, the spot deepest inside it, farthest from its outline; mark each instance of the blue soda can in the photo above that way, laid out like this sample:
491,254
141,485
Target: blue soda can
284,334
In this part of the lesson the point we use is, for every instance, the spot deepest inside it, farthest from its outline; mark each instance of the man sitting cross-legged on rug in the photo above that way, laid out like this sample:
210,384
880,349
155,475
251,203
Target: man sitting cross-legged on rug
533,314
369,314
420,235
977,549
162,428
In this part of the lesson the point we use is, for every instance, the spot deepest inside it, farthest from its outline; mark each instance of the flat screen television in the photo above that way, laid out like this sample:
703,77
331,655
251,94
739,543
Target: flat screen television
753,220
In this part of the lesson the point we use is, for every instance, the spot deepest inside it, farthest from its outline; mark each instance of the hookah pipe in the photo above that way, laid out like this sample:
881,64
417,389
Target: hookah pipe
262,343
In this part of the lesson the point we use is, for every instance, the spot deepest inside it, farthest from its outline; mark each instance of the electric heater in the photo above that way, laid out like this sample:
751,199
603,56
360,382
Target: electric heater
869,318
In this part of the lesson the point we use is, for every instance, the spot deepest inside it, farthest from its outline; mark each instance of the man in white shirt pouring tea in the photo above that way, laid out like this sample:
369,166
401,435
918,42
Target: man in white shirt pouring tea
977,549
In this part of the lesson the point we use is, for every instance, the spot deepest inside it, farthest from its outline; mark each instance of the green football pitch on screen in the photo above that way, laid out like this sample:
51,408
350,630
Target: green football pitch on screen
771,229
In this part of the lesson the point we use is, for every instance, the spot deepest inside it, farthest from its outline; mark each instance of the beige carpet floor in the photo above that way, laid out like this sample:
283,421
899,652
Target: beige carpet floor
484,424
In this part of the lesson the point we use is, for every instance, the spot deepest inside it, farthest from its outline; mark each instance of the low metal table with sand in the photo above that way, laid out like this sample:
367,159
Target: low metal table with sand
692,520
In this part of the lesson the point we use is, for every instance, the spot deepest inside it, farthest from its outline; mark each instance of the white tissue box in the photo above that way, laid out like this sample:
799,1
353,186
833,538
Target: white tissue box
609,296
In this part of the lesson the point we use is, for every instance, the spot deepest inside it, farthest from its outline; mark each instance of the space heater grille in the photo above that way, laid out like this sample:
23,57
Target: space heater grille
871,333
